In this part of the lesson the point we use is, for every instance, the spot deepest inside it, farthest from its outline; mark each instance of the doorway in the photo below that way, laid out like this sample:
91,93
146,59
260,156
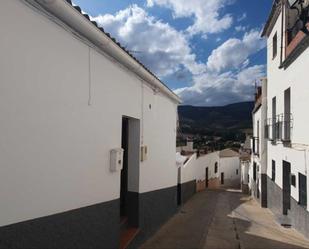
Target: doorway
222,178
124,171
286,187
179,187
129,176
206,178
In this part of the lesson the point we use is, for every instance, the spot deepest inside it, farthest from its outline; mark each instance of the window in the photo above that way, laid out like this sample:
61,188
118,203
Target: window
287,114
254,171
216,167
274,120
293,180
273,170
236,171
275,39
266,129
302,188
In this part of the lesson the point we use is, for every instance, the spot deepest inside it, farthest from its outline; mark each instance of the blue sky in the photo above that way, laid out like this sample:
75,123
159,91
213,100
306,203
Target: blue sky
207,51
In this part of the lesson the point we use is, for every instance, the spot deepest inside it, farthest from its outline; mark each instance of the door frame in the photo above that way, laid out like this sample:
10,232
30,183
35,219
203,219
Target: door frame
131,201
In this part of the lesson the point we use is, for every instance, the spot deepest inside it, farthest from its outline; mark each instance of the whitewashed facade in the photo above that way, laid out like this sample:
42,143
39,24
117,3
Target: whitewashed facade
287,100
219,169
65,90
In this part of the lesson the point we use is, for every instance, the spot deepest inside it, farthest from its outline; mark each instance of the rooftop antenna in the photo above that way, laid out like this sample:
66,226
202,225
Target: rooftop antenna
132,51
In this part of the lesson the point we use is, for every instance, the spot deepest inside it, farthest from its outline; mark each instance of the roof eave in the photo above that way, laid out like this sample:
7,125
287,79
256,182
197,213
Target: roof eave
273,16
81,23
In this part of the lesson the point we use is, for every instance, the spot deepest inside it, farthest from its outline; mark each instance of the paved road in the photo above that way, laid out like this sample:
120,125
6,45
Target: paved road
224,220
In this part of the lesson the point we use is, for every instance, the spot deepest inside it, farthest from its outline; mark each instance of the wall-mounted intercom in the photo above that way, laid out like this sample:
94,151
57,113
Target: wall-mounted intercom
116,159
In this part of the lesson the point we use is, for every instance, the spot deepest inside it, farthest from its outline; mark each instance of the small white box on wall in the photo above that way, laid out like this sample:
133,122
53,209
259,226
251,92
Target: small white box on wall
144,153
116,159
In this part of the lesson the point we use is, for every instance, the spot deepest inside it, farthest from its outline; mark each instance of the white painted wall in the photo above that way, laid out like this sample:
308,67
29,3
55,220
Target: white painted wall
198,166
209,161
188,171
278,81
295,77
257,131
245,171
229,165
54,147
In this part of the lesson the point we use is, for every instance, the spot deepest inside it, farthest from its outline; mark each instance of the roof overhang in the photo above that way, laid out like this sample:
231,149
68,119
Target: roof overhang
273,16
73,17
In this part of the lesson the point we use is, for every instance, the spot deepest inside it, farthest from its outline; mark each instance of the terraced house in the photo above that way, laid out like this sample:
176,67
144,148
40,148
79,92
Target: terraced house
88,134
285,189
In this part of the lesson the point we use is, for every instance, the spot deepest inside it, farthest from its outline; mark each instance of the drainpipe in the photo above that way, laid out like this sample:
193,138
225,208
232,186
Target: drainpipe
282,30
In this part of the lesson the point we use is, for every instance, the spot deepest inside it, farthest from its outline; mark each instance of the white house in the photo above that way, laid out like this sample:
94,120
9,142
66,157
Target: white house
258,167
287,36
219,169
72,100
245,161
229,168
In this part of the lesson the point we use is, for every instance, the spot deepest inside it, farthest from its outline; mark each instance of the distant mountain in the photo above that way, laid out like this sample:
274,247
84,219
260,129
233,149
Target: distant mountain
233,117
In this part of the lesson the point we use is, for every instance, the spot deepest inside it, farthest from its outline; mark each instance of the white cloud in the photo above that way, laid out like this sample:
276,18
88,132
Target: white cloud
206,14
224,78
242,17
220,89
240,28
160,47
233,53
228,77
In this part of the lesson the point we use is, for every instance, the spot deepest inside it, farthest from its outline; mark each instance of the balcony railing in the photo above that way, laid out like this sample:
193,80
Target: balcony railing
279,128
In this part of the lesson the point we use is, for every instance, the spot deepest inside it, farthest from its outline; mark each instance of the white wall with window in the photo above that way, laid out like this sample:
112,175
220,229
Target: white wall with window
287,98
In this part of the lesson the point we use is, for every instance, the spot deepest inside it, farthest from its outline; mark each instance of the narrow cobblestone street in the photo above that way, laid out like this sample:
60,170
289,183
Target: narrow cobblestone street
224,220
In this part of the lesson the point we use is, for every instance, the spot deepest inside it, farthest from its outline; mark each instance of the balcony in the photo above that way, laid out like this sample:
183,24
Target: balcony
295,36
297,30
279,128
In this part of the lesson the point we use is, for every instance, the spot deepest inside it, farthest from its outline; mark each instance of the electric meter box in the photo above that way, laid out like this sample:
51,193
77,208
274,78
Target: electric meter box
144,153
116,160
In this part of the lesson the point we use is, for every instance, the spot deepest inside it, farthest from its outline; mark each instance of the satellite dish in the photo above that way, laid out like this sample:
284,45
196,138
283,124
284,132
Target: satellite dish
292,3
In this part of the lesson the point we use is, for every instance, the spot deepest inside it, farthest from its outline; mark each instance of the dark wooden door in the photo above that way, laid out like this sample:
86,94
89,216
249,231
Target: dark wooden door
206,179
124,171
179,187
286,187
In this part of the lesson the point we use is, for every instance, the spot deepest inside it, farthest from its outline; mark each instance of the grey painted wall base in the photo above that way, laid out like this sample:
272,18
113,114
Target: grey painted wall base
274,197
264,190
155,207
188,189
95,226
297,215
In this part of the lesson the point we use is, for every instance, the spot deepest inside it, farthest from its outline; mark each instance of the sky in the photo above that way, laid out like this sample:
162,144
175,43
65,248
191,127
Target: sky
209,52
